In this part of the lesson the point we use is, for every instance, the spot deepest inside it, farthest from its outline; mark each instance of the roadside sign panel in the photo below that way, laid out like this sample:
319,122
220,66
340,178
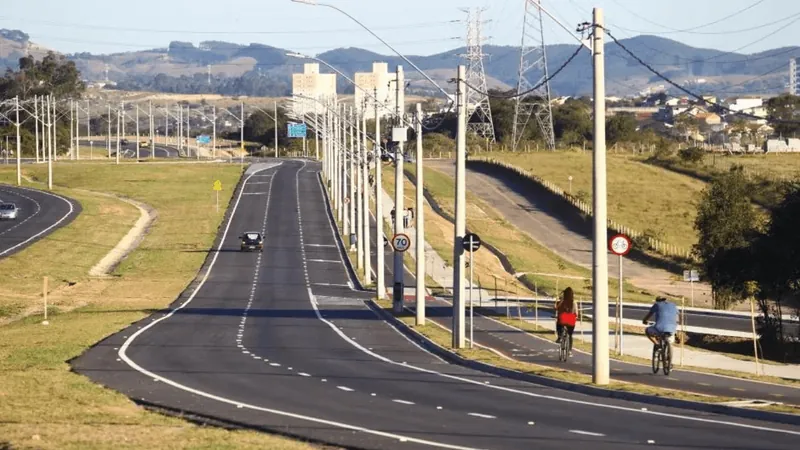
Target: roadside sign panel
691,275
620,245
401,242
218,185
297,130
203,139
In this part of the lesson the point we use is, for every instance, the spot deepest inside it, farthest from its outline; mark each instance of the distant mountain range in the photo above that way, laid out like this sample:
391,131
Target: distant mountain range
702,70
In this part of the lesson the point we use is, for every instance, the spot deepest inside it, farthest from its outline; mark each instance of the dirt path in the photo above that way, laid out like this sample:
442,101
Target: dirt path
540,218
129,242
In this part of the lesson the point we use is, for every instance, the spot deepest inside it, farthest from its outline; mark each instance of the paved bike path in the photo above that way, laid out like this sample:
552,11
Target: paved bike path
526,347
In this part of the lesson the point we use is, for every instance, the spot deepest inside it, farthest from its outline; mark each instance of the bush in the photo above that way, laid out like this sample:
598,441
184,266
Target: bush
691,155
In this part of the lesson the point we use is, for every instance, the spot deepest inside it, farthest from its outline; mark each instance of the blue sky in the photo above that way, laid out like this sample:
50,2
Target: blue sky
412,26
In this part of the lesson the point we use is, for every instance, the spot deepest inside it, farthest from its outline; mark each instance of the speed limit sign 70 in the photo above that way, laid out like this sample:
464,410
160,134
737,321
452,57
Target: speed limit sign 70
620,245
401,242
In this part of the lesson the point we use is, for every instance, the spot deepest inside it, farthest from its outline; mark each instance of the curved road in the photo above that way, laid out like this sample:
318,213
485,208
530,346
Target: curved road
41,213
278,341
129,150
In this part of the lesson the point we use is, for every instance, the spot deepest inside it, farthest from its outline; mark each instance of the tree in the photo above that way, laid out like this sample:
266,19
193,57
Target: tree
726,227
53,74
572,122
783,111
620,128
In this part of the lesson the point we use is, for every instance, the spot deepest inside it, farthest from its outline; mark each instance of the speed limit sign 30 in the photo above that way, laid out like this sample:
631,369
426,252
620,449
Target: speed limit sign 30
401,242
620,245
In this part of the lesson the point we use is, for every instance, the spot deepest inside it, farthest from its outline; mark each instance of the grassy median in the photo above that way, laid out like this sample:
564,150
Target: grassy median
42,403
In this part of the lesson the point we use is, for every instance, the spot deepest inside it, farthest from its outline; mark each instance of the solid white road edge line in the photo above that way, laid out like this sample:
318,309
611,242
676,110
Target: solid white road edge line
123,349
71,209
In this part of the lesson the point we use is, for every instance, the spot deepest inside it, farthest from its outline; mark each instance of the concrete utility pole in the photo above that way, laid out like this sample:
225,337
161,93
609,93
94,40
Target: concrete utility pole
19,144
71,129
380,247
461,213
353,177
166,125
399,205
600,372
180,127
137,133
345,179
365,203
420,225
119,119
214,131
36,123
152,125
108,141
359,199
49,147
78,130
275,110
88,124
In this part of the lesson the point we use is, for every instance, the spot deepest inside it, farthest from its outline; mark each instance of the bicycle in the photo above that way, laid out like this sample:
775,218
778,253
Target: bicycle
565,347
662,353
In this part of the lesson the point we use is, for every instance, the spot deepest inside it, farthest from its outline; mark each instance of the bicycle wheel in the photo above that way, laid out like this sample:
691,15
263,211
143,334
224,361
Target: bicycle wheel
656,357
562,350
667,358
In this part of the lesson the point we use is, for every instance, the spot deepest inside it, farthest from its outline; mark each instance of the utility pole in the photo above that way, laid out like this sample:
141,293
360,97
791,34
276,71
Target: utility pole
152,124
275,110
36,123
108,141
365,201
214,131
359,198
88,122
166,125
352,178
137,133
119,119
343,166
19,144
399,205
420,225
380,270
461,216
71,129
78,130
241,137
49,146
793,76
600,369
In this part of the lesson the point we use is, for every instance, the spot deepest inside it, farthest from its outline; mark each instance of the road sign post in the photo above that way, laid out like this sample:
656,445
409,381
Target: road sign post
400,243
691,276
471,243
620,245
217,188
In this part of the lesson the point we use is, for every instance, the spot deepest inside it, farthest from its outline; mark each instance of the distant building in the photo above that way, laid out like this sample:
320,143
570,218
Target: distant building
380,83
782,145
312,89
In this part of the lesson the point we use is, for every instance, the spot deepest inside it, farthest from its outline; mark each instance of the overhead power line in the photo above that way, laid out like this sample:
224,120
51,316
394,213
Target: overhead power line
692,30
691,93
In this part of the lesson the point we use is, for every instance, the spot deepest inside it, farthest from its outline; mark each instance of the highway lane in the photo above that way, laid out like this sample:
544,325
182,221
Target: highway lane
41,213
129,149
279,341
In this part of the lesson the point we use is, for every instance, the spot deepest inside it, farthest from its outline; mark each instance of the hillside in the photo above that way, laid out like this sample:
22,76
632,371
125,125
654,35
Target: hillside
707,70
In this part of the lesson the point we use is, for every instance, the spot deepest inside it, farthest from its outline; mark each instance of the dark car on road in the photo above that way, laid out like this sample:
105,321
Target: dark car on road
252,240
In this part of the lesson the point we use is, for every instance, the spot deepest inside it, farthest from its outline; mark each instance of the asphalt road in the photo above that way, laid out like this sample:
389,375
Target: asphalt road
129,150
278,341
41,213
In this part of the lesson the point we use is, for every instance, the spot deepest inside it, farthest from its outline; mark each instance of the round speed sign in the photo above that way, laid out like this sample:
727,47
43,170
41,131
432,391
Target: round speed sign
401,242
620,245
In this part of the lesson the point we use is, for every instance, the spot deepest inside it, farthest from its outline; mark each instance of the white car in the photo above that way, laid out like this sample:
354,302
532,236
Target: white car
8,211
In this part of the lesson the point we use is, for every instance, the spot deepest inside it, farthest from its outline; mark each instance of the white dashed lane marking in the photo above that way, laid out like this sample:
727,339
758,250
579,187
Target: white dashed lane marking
482,416
404,402
586,433
345,388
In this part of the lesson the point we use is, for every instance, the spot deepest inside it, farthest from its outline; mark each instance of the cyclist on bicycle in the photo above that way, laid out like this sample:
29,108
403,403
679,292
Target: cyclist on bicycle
565,313
666,318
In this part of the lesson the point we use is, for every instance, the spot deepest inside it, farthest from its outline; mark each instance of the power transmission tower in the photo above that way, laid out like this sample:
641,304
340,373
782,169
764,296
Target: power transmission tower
533,61
209,74
793,76
481,117
106,70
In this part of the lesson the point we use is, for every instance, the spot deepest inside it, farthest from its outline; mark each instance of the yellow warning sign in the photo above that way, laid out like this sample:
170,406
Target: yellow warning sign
218,185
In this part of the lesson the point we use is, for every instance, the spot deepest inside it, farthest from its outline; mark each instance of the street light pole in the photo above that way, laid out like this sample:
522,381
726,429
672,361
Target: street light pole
381,265
600,363
359,198
420,225
137,133
352,177
275,109
461,217
399,204
365,209
19,145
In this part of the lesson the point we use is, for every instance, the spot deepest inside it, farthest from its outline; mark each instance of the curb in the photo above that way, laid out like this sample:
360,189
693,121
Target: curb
454,358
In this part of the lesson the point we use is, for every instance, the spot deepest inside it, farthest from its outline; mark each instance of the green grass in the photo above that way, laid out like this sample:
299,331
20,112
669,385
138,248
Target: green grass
525,254
42,403
643,197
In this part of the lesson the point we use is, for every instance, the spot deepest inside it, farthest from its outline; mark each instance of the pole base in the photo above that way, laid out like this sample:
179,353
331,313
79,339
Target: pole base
45,322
